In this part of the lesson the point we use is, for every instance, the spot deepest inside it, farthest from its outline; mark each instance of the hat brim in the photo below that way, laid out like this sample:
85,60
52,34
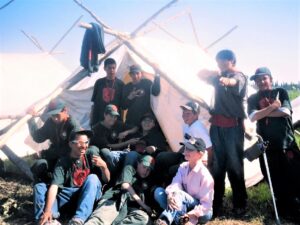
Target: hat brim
186,107
114,113
189,146
88,133
55,111
253,77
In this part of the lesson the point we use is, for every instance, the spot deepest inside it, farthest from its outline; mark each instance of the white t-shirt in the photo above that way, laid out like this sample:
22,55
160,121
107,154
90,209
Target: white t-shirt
198,130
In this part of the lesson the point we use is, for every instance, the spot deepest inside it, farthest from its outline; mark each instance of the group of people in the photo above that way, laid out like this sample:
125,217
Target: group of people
125,173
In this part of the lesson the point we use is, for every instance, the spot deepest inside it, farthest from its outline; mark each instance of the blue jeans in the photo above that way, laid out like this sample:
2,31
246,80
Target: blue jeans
228,147
185,202
85,197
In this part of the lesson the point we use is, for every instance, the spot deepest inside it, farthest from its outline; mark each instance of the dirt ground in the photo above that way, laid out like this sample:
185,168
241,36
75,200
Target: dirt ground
16,206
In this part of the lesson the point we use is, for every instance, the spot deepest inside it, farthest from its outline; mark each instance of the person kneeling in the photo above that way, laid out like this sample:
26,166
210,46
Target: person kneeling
73,184
188,199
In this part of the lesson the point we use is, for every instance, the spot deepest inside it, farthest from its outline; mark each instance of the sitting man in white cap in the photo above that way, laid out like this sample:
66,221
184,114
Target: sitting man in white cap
189,198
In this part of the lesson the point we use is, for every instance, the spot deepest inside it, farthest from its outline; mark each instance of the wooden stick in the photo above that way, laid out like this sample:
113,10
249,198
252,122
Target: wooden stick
220,38
194,29
65,34
20,163
167,32
42,103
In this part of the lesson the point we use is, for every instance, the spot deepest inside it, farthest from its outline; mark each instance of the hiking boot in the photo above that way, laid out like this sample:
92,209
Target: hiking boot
76,221
52,222
160,222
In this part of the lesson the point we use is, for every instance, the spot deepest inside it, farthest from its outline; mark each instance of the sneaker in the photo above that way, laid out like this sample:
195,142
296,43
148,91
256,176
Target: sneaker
52,222
76,221
160,222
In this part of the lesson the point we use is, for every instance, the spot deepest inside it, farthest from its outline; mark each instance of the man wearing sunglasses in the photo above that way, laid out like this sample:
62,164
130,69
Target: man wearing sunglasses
56,129
76,182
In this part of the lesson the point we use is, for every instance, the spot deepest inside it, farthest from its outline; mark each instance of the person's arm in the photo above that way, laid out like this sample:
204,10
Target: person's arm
125,133
155,89
123,144
100,163
266,112
39,135
51,196
128,187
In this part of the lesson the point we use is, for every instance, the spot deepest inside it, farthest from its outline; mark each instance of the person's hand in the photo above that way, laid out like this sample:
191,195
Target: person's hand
47,216
172,202
132,141
122,135
224,81
150,149
98,161
147,209
276,104
32,111
132,94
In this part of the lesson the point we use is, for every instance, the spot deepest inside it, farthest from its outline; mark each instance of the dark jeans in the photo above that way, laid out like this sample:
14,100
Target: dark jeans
228,148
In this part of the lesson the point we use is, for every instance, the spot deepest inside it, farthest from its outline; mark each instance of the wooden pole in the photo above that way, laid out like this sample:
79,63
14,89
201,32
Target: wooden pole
19,162
41,104
220,38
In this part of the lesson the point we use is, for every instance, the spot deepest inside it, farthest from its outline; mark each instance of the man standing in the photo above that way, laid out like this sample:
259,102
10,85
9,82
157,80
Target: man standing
190,195
73,183
271,108
107,90
56,129
227,133
136,95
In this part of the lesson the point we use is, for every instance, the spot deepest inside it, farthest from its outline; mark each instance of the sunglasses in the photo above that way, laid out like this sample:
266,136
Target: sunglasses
80,142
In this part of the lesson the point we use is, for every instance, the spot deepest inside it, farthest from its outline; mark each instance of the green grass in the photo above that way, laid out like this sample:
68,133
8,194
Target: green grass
293,94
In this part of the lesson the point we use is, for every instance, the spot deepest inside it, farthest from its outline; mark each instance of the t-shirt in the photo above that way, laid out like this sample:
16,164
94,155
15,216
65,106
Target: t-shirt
104,136
277,130
67,166
198,130
58,134
138,106
230,101
106,92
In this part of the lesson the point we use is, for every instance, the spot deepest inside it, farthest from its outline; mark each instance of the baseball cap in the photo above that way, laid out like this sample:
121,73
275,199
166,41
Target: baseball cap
134,69
194,144
112,110
55,107
148,115
192,106
147,161
260,72
80,131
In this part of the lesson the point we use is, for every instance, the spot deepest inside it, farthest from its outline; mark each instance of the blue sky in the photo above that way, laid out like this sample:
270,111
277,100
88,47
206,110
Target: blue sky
268,32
